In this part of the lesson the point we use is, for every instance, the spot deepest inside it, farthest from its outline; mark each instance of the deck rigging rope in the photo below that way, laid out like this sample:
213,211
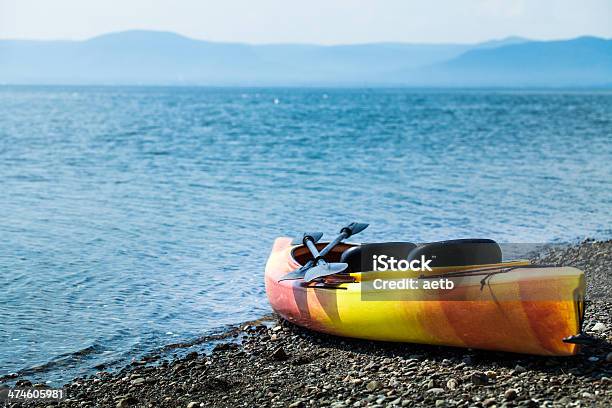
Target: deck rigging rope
488,272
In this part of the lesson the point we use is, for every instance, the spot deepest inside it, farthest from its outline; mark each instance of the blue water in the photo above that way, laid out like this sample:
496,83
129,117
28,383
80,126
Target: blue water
131,218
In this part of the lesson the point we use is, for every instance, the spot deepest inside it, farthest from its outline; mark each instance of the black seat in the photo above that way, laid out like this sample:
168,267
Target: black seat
459,252
359,258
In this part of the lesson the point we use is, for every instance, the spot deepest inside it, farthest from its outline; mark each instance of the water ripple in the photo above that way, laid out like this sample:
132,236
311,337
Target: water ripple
131,213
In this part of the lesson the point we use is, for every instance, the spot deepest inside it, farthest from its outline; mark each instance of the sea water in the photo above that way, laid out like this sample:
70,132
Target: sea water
132,218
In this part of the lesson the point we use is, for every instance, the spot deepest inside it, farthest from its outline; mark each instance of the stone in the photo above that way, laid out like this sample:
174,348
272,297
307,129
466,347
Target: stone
223,347
440,403
520,369
489,402
452,384
122,404
279,354
491,374
373,385
192,356
126,402
436,391
479,378
564,401
609,358
598,327
193,404
510,394
138,381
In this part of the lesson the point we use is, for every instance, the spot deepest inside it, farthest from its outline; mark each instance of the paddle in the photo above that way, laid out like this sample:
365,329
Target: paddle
351,229
307,236
321,268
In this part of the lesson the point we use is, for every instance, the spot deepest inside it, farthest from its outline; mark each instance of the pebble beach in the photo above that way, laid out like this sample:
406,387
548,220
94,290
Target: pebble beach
272,363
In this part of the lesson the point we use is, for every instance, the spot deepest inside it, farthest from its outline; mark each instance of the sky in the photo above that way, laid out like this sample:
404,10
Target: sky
310,21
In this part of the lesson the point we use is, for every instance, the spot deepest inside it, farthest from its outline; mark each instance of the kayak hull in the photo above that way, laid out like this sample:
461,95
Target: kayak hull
526,310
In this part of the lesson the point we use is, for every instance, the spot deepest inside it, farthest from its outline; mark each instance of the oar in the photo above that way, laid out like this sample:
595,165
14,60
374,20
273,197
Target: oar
321,267
307,236
351,229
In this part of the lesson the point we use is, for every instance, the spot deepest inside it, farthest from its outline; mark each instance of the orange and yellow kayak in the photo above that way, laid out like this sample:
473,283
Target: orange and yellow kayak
510,306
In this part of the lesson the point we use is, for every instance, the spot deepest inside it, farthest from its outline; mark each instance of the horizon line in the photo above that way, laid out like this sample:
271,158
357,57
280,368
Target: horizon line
509,37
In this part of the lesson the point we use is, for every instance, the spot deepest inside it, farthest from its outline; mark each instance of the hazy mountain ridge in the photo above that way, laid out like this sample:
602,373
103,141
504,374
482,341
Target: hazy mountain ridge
150,57
580,61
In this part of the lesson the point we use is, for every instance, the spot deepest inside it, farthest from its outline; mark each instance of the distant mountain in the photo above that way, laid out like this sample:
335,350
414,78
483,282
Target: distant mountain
584,61
151,57
134,57
502,42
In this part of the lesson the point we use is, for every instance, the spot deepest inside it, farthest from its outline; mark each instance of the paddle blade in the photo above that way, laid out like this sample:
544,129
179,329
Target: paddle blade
324,269
316,236
294,274
355,228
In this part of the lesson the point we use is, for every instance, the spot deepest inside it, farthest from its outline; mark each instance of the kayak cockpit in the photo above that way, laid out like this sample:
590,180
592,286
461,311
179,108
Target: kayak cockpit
362,257
302,255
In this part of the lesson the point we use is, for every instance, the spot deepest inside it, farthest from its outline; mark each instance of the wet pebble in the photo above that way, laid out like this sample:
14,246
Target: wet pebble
510,394
373,386
479,378
279,354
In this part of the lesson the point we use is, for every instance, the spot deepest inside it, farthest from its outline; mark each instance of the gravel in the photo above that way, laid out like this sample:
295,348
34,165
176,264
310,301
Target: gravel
276,364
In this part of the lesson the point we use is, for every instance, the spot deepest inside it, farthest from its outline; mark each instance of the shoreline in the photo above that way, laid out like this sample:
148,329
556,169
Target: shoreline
270,362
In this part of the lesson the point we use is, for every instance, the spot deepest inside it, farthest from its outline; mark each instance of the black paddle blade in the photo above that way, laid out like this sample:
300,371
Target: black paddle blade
324,269
316,236
354,228
295,274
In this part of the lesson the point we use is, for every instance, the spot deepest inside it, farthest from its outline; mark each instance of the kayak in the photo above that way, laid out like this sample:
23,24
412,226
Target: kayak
507,306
